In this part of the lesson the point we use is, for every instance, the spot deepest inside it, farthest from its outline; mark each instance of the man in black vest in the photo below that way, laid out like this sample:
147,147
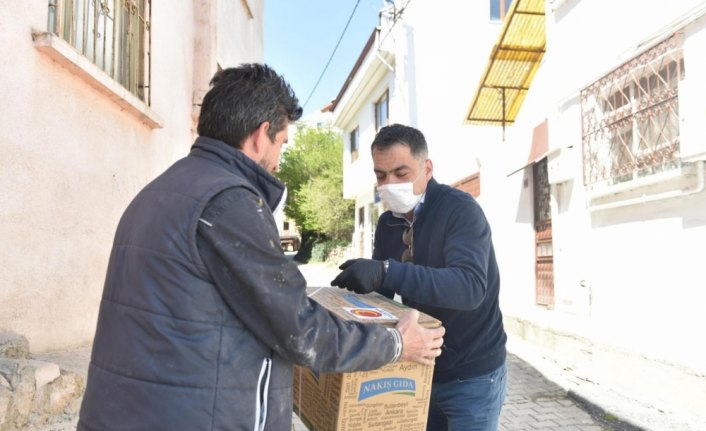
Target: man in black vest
202,315
434,248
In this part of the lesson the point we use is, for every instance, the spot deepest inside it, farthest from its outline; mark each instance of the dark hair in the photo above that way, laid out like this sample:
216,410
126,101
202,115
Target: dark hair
241,98
400,134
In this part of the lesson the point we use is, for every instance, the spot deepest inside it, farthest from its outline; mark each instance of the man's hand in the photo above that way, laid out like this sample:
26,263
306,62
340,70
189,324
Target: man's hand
360,275
419,344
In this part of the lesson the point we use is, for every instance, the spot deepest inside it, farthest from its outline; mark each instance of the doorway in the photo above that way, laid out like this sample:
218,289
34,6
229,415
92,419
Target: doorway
544,252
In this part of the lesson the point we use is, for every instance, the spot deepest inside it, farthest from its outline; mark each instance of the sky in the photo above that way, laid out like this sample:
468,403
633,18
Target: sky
300,38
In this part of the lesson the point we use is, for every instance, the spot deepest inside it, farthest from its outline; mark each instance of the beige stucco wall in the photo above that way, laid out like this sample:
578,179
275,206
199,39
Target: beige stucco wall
71,160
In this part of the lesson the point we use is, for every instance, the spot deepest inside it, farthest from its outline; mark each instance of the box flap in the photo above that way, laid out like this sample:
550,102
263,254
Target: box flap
370,308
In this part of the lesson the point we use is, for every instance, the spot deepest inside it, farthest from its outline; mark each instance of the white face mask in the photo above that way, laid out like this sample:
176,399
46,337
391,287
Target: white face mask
399,197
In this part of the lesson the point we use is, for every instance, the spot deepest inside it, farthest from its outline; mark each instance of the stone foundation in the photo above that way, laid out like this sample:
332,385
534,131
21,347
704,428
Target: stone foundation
34,394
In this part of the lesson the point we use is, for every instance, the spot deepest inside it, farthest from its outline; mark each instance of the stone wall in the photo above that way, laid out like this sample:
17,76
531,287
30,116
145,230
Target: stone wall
35,394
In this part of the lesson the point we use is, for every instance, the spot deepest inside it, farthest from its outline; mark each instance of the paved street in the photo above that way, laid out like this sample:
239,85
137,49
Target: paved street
533,402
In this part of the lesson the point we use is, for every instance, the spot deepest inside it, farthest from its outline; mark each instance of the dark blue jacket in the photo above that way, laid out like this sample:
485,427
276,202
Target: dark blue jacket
202,314
454,278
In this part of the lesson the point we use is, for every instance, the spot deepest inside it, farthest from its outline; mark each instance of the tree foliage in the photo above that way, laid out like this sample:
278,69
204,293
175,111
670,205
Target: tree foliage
312,168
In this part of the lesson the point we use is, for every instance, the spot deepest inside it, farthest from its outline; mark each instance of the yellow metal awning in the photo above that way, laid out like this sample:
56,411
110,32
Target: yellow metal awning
513,62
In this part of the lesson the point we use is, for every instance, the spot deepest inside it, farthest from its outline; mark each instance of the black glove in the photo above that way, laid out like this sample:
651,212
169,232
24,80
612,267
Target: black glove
360,275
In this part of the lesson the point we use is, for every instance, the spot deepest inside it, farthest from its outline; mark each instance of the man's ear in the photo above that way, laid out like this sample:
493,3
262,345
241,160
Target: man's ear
254,144
429,168
261,138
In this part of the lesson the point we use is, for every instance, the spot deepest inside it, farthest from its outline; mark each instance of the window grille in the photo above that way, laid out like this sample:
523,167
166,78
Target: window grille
630,118
113,34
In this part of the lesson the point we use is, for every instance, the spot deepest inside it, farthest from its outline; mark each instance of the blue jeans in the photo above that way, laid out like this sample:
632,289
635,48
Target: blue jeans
468,404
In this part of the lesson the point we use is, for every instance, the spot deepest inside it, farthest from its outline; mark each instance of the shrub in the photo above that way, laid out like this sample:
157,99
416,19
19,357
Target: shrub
328,251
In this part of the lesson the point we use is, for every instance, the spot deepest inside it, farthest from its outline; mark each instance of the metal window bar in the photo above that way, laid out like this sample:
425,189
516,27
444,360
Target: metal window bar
630,117
113,34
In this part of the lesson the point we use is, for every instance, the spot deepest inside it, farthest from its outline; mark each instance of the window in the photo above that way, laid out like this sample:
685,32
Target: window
354,137
113,34
382,116
630,117
498,9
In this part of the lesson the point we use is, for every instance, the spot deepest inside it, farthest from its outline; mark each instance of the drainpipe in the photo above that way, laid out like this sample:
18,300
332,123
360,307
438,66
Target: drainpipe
698,188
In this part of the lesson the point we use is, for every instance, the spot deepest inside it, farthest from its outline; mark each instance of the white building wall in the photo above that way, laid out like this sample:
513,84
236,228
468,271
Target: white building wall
443,77
240,31
360,173
637,254
72,159
628,283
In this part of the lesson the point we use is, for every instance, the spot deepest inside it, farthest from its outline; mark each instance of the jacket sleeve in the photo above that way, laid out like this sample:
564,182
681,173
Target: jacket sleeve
462,282
239,244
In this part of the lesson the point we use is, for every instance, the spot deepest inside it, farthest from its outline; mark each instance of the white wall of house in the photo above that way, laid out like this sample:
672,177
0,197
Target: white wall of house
72,158
443,80
628,281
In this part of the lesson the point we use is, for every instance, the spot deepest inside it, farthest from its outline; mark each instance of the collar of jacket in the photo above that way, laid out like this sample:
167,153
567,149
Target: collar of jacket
269,187
430,196
431,191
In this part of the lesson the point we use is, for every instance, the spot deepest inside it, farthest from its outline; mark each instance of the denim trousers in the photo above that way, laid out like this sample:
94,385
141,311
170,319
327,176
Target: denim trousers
472,404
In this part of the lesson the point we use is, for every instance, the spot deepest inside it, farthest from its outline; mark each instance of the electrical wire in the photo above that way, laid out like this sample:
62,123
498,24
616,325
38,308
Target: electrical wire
332,54
396,15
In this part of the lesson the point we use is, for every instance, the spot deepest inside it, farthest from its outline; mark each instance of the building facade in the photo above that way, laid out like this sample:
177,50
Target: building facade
580,126
99,98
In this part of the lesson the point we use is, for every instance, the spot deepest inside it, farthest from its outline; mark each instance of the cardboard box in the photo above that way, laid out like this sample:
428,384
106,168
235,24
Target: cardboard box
394,397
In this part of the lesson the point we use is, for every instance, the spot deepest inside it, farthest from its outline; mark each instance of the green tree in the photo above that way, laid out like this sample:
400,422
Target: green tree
312,168
324,210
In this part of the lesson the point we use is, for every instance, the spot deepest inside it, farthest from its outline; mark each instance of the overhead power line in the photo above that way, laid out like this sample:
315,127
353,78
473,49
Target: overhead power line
332,54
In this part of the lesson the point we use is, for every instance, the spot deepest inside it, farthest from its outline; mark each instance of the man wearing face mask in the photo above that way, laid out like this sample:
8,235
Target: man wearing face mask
433,248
